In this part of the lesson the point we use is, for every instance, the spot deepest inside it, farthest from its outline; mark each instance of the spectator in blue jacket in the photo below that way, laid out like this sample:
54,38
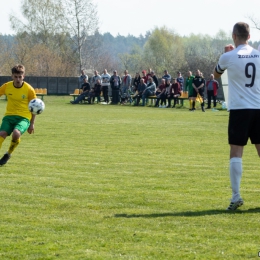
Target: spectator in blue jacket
180,80
166,76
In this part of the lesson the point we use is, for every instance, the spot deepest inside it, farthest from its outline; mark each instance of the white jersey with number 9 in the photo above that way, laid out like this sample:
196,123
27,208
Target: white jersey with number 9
243,69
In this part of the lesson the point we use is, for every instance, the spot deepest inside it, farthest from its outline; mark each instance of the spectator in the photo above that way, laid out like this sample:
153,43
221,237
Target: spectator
160,95
82,77
176,92
189,88
97,91
155,79
149,74
115,82
198,89
105,77
144,76
85,88
95,78
136,82
180,80
212,91
126,83
166,76
139,92
168,92
149,91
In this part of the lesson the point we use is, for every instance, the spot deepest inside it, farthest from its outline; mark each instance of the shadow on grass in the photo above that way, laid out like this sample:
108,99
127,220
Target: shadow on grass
187,213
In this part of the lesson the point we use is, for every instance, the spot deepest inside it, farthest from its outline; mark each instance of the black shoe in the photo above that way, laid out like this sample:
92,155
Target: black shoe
72,102
5,159
202,108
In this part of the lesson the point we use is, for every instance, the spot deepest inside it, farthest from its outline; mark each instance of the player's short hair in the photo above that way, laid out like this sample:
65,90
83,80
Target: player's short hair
18,69
241,30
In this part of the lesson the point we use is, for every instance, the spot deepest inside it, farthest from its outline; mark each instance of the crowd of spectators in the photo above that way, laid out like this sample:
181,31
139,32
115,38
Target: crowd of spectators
115,89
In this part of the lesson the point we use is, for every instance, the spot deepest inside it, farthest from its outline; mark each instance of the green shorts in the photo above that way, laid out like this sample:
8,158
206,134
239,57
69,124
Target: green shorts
9,123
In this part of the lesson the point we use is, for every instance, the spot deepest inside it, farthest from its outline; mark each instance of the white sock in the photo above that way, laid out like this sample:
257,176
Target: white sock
235,177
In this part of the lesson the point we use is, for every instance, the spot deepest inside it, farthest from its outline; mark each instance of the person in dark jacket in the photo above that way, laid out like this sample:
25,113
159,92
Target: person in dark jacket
85,92
115,82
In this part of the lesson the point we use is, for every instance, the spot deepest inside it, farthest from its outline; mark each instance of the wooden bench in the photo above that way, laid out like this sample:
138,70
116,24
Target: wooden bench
181,98
76,93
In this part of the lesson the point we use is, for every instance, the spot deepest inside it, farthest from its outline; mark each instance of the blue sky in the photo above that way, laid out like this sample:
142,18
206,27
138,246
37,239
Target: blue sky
183,16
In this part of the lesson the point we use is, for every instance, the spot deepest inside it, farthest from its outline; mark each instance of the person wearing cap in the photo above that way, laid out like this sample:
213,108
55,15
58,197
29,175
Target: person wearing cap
115,82
144,76
166,76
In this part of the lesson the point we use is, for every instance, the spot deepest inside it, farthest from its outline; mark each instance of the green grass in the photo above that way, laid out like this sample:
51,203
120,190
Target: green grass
121,182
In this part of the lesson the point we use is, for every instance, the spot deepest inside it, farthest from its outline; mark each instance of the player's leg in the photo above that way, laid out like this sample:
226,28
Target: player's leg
3,135
237,136
235,171
255,131
5,129
209,99
15,141
201,93
214,100
20,126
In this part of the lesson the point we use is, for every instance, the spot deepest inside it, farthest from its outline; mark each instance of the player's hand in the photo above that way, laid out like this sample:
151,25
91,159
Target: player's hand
229,47
30,130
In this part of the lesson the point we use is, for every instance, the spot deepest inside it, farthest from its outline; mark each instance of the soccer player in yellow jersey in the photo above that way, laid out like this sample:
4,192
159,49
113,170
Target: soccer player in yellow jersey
17,118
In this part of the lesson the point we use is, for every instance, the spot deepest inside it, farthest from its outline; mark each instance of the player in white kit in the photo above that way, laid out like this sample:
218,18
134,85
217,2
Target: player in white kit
242,63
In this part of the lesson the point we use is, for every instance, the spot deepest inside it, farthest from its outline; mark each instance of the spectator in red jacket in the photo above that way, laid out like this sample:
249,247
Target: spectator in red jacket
212,91
175,93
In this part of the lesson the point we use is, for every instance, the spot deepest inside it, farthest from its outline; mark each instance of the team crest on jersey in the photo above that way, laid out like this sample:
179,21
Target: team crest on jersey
23,96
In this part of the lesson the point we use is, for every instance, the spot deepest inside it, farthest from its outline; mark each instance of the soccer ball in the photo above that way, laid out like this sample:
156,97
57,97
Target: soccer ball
36,106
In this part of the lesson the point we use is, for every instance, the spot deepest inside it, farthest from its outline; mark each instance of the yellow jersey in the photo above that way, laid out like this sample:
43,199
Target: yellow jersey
18,99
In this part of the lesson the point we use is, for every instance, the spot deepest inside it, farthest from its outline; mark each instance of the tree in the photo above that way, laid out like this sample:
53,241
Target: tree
164,50
255,21
42,19
80,20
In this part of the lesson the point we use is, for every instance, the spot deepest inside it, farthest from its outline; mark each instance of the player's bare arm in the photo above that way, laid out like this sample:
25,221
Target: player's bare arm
31,127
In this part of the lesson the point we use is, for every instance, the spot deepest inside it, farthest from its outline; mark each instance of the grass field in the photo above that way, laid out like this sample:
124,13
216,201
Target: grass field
122,182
